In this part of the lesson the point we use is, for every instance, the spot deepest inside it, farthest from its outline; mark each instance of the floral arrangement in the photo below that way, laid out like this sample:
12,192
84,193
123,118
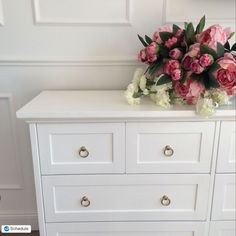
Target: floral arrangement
186,66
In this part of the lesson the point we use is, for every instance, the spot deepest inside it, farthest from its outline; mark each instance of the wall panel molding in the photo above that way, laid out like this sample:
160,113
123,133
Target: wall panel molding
17,165
73,63
192,10
77,20
1,14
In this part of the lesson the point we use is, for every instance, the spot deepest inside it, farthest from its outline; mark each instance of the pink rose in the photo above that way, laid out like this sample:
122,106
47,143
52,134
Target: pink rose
195,67
213,35
206,60
186,62
190,90
176,54
151,58
142,56
170,65
196,88
176,74
226,74
156,36
171,42
153,48
194,50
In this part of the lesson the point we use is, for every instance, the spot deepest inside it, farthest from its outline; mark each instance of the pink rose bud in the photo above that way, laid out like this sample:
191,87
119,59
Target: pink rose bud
176,74
187,62
151,58
176,54
206,60
171,42
170,66
153,48
196,68
142,56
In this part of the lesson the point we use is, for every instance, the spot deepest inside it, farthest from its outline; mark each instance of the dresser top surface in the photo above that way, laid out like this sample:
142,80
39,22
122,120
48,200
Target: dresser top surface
109,104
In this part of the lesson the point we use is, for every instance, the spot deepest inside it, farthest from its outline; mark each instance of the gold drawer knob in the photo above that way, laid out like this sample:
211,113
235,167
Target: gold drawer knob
83,152
85,202
168,151
165,201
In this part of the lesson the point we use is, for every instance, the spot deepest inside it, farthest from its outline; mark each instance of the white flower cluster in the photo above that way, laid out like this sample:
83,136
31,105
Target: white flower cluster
212,99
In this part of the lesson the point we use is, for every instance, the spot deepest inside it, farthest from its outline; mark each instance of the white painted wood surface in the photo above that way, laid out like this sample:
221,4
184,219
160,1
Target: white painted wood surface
191,142
50,44
226,153
106,105
224,202
128,229
125,197
60,144
222,228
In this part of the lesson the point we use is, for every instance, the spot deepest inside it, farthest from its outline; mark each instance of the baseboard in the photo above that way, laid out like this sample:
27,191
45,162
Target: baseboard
26,219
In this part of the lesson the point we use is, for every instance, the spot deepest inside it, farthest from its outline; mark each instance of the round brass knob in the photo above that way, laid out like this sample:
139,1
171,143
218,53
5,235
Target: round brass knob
165,201
83,152
168,151
85,202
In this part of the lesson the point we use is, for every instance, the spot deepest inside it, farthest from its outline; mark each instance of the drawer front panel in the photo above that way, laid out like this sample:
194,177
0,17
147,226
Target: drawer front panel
179,147
81,148
117,197
222,228
224,197
127,229
226,153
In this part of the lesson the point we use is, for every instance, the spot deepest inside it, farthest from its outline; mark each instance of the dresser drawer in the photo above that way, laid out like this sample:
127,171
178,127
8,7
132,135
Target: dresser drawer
222,228
169,147
127,229
82,148
226,153
125,197
224,197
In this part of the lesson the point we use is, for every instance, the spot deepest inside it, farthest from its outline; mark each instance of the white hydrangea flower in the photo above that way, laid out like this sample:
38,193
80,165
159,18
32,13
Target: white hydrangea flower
176,99
142,83
138,74
205,107
219,96
129,95
161,98
163,87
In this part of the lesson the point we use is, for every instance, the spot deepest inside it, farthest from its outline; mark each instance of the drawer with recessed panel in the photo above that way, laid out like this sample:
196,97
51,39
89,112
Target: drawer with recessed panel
169,147
81,148
72,198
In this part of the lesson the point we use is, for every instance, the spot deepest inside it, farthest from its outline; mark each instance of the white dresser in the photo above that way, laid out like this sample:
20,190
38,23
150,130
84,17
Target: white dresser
104,168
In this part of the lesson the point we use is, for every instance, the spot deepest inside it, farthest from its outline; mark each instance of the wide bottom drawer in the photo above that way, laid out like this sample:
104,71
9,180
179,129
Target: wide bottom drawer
127,229
125,197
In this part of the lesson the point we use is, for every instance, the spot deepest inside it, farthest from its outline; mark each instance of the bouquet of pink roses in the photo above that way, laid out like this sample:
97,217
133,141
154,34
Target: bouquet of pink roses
186,66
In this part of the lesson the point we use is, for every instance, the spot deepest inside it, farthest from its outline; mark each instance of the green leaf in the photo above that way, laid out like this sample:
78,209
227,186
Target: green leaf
164,51
185,25
205,49
155,66
182,81
231,35
148,39
164,80
196,77
190,34
214,66
165,36
137,94
227,46
212,81
220,50
233,47
201,25
142,41
175,28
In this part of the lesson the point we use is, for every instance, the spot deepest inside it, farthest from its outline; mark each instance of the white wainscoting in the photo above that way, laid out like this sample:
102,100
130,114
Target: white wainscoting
52,44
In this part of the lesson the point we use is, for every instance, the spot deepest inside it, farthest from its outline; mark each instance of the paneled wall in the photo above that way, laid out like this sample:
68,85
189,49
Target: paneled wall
71,44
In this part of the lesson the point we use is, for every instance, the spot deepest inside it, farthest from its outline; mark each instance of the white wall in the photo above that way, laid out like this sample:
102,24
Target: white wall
71,44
